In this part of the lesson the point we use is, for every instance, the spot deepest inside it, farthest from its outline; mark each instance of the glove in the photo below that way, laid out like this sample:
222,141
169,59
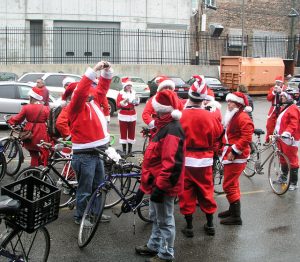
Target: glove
286,134
139,196
157,195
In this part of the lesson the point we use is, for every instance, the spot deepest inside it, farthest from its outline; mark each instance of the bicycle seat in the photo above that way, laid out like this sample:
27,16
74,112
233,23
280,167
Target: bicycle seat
259,131
8,205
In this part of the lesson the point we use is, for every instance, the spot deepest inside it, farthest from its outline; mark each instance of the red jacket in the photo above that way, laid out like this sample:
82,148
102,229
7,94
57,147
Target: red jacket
45,95
163,164
87,123
271,97
237,137
62,123
30,112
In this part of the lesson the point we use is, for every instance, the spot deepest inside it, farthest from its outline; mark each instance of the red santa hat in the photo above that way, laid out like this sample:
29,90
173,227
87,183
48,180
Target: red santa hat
164,81
68,80
36,93
69,90
239,98
126,82
198,89
279,79
166,101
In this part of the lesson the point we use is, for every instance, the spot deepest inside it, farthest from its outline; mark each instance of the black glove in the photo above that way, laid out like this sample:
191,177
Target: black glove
157,195
139,196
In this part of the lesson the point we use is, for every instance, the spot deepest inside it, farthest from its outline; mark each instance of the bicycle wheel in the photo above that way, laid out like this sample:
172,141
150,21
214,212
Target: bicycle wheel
143,210
218,174
136,158
33,247
14,156
2,166
250,169
279,173
91,217
34,171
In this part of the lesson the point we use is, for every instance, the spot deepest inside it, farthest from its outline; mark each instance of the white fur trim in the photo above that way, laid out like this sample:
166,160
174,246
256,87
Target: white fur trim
196,162
128,83
130,141
35,95
107,73
209,98
122,141
123,103
166,83
248,109
151,124
214,105
91,74
236,150
161,108
234,98
176,114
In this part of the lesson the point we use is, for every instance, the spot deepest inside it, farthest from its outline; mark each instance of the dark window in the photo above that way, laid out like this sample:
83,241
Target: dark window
54,80
23,91
8,91
30,78
117,79
5,76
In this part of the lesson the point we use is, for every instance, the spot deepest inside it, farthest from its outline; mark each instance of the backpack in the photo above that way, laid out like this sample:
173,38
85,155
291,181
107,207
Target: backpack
54,113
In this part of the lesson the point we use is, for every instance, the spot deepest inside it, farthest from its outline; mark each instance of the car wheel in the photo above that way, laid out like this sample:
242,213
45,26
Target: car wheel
112,107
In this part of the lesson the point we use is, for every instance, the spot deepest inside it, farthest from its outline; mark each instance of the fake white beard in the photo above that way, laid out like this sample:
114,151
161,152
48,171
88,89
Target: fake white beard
229,115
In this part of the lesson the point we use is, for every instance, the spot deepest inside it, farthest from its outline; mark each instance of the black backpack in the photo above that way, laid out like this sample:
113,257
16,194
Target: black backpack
54,113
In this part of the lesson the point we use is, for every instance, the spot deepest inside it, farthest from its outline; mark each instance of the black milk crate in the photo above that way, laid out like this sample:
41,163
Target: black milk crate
39,202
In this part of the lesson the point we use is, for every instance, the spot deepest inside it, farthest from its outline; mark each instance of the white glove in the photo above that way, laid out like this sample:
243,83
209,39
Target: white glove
277,89
286,134
112,153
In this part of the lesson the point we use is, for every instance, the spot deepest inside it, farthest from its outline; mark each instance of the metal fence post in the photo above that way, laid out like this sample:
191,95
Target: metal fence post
266,42
6,44
138,46
184,47
162,47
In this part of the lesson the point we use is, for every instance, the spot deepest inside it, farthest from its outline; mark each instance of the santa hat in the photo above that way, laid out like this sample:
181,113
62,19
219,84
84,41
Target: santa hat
198,89
279,79
36,93
68,80
166,101
69,90
210,96
126,82
241,99
163,81
287,94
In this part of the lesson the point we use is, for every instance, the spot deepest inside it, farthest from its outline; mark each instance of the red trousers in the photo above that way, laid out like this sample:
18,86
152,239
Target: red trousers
231,183
39,158
291,152
127,131
198,185
271,123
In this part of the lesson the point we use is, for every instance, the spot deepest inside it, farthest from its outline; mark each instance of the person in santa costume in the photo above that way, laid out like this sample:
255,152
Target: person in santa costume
36,115
40,84
212,105
149,114
236,149
273,97
88,128
162,176
202,131
288,126
127,100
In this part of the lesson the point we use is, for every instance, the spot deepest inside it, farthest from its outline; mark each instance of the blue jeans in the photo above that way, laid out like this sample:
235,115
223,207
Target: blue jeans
163,228
90,173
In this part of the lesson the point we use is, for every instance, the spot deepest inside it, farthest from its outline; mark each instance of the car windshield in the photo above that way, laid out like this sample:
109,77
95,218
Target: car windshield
212,81
30,78
177,81
137,80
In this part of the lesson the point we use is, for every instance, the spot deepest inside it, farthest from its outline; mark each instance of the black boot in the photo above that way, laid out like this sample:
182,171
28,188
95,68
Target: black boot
235,216
129,149
293,179
188,230
124,148
225,213
209,226
285,171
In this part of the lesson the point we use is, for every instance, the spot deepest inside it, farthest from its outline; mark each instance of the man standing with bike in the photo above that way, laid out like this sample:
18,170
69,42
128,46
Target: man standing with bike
88,129
288,126
236,149
162,176
202,132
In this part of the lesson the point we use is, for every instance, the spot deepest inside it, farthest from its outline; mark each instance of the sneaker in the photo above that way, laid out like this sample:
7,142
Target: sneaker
87,223
280,180
105,218
158,259
209,230
188,232
293,187
145,251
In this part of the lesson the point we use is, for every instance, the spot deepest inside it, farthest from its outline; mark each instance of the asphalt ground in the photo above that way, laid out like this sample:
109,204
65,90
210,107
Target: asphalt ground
270,230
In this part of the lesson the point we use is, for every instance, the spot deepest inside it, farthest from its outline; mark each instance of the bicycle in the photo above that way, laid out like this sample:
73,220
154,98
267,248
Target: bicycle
95,206
13,149
279,166
2,162
218,174
34,204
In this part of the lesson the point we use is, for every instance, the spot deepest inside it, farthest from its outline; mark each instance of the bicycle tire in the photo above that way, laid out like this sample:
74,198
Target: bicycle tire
136,157
34,171
90,220
250,169
218,174
143,210
2,166
34,246
14,156
275,173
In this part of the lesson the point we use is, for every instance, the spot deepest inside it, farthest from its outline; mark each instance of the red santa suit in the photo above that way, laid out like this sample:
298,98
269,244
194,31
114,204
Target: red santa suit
36,116
273,97
201,131
126,101
237,137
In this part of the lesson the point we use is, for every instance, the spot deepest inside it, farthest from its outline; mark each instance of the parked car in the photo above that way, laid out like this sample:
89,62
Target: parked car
181,87
138,84
294,82
53,82
12,96
220,91
7,76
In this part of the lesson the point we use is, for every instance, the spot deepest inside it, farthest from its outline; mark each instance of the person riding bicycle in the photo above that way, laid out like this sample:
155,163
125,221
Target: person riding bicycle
88,128
236,139
202,132
288,126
